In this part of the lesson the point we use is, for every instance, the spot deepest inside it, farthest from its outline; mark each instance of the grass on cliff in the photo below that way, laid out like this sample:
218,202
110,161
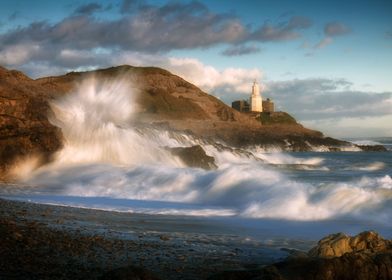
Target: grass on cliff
276,118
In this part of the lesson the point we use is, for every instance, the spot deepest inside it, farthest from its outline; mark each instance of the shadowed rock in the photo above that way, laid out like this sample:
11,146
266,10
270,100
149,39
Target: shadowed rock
194,156
372,148
366,256
336,245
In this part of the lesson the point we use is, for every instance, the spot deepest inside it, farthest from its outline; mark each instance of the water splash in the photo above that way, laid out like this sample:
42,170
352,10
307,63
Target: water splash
105,156
96,121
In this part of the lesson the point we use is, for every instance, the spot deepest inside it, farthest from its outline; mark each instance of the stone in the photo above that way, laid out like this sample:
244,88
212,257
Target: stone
336,245
194,156
366,256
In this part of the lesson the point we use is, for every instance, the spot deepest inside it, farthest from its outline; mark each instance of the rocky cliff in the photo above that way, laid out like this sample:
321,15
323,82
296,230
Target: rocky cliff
164,100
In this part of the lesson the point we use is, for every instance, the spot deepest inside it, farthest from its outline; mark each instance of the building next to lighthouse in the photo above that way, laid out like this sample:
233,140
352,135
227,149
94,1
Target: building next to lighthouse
256,104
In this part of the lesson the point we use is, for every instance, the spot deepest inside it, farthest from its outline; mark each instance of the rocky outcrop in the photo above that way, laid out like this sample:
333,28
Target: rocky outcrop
372,148
336,245
366,256
24,126
194,156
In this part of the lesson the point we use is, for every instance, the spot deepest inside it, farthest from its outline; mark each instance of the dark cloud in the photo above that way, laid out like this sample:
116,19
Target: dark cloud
152,29
313,99
336,29
88,9
128,6
240,50
331,30
283,31
143,28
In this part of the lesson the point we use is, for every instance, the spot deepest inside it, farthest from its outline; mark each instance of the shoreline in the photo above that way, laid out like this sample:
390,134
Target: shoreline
46,241
60,242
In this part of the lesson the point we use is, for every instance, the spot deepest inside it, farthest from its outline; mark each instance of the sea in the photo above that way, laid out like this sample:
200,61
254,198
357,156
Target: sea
109,163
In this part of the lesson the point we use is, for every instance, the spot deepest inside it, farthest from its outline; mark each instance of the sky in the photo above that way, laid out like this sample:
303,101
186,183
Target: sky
328,63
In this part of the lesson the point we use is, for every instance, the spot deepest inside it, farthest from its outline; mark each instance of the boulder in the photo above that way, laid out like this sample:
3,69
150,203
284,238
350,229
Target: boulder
194,156
366,256
336,245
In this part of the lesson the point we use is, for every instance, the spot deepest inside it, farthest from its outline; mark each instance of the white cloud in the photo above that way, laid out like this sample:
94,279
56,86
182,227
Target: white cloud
18,54
207,77
210,79
323,43
375,126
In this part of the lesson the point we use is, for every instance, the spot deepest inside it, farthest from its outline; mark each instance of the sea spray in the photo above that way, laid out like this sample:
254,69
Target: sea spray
106,156
96,123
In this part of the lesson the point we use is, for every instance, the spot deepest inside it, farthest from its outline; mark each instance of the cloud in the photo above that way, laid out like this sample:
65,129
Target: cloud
352,127
283,31
336,29
229,80
219,82
18,54
240,50
331,29
141,28
88,9
323,43
151,29
316,99
128,6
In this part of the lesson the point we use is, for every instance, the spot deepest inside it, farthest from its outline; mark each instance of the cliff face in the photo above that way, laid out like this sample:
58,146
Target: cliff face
24,127
164,100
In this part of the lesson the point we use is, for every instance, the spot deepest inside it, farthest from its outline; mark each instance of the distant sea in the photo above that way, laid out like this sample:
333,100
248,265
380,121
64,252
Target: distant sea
385,141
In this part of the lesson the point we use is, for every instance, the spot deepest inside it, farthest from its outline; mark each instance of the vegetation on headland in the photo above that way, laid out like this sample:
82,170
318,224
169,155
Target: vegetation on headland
276,118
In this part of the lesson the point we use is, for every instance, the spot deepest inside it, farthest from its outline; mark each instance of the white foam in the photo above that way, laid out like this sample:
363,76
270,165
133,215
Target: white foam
366,142
374,166
105,156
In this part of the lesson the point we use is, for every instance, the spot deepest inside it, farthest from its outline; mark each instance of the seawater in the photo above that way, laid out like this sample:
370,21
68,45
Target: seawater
109,163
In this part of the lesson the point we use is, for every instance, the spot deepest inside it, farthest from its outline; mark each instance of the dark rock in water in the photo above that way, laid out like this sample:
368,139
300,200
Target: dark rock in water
128,273
372,148
337,256
194,156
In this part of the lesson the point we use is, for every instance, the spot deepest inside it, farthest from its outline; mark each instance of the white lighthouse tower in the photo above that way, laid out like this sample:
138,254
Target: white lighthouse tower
255,99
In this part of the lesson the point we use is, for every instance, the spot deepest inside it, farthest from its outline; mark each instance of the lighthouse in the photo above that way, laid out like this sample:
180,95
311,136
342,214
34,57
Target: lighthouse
255,99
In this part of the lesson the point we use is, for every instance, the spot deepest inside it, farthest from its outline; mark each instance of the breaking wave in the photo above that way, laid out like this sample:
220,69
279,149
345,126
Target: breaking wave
107,155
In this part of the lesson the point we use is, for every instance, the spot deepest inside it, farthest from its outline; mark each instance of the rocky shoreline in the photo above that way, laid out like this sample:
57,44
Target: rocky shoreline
54,242
163,99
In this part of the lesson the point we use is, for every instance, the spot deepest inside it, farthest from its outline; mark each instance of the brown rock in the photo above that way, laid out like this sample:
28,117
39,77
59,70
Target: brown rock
366,256
336,245
194,156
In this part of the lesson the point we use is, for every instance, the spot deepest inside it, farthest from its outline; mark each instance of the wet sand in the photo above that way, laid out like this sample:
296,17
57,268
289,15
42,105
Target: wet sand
56,242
